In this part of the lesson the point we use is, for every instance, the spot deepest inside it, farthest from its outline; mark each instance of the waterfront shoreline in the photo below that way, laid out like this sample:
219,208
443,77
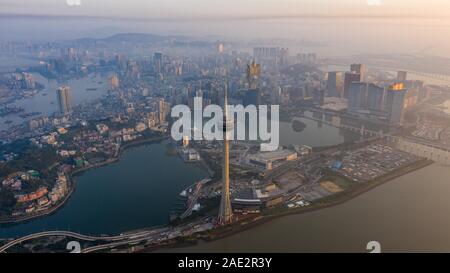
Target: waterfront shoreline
219,233
336,200
72,175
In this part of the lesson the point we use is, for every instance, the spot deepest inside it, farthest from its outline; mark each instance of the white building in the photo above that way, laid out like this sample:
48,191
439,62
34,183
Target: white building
269,160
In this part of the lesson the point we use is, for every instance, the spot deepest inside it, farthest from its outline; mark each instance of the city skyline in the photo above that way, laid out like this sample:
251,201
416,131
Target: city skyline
224,126
303,29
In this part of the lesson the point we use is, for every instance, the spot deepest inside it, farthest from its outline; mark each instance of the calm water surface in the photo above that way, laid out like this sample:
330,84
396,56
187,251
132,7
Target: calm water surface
410,213
46,103
137,191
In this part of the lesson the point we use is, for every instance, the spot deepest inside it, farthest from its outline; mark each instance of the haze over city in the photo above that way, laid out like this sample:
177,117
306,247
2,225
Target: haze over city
218,9
215,126
377,26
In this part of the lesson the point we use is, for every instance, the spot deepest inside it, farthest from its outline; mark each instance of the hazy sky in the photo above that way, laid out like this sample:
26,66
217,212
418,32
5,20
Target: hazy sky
345,26
225,8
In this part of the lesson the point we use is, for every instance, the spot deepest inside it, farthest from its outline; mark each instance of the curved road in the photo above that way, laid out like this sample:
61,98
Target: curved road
70,234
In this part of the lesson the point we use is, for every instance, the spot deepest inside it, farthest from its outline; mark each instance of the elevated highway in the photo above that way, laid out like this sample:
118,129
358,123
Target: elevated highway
70,234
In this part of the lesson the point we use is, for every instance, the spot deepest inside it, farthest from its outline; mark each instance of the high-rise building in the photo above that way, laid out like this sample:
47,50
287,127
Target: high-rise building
395,103
335,84
164,109
253,74
319,96
152,119
132,70
220,47
359,69
273,55
185,141
284,56
423,93
350,77
357,96
157,60
264,53
179,69
71,54
375,98
114,82
28,81
401,76
306,58
145,92
64,99
225,212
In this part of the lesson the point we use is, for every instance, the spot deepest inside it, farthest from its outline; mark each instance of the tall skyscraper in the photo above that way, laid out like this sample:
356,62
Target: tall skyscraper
401,76
423,93
395,103
114,82
64,99
335,84
157,60
220,47
253,74
357,96
265,53
359,69
27,81
284,56
252,96
145,92
319,96
306,58
350,77
375,98
225,212
164,109
274,55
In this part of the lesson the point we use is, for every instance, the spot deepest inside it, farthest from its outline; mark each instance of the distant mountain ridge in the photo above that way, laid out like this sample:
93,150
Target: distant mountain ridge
136,38
147,38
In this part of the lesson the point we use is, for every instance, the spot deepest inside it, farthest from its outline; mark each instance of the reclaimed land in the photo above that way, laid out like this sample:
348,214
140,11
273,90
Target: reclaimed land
326,202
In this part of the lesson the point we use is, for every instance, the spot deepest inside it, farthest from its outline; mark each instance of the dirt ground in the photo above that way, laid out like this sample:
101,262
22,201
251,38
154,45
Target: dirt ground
330,186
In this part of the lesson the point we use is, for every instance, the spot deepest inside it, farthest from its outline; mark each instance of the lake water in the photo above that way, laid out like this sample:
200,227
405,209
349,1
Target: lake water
314,134
137,191
405,214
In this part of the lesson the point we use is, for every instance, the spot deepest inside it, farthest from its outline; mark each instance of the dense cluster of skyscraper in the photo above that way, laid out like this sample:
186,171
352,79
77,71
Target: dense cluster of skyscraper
388,100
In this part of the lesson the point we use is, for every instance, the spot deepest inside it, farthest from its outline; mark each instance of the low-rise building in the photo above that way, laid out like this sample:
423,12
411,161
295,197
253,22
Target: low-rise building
269,160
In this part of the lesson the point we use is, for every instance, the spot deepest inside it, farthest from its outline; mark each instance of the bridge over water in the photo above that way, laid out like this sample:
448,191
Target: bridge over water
423,148
70,234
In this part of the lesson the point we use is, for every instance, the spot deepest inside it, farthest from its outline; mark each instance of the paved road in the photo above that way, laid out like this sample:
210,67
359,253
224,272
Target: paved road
70,234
